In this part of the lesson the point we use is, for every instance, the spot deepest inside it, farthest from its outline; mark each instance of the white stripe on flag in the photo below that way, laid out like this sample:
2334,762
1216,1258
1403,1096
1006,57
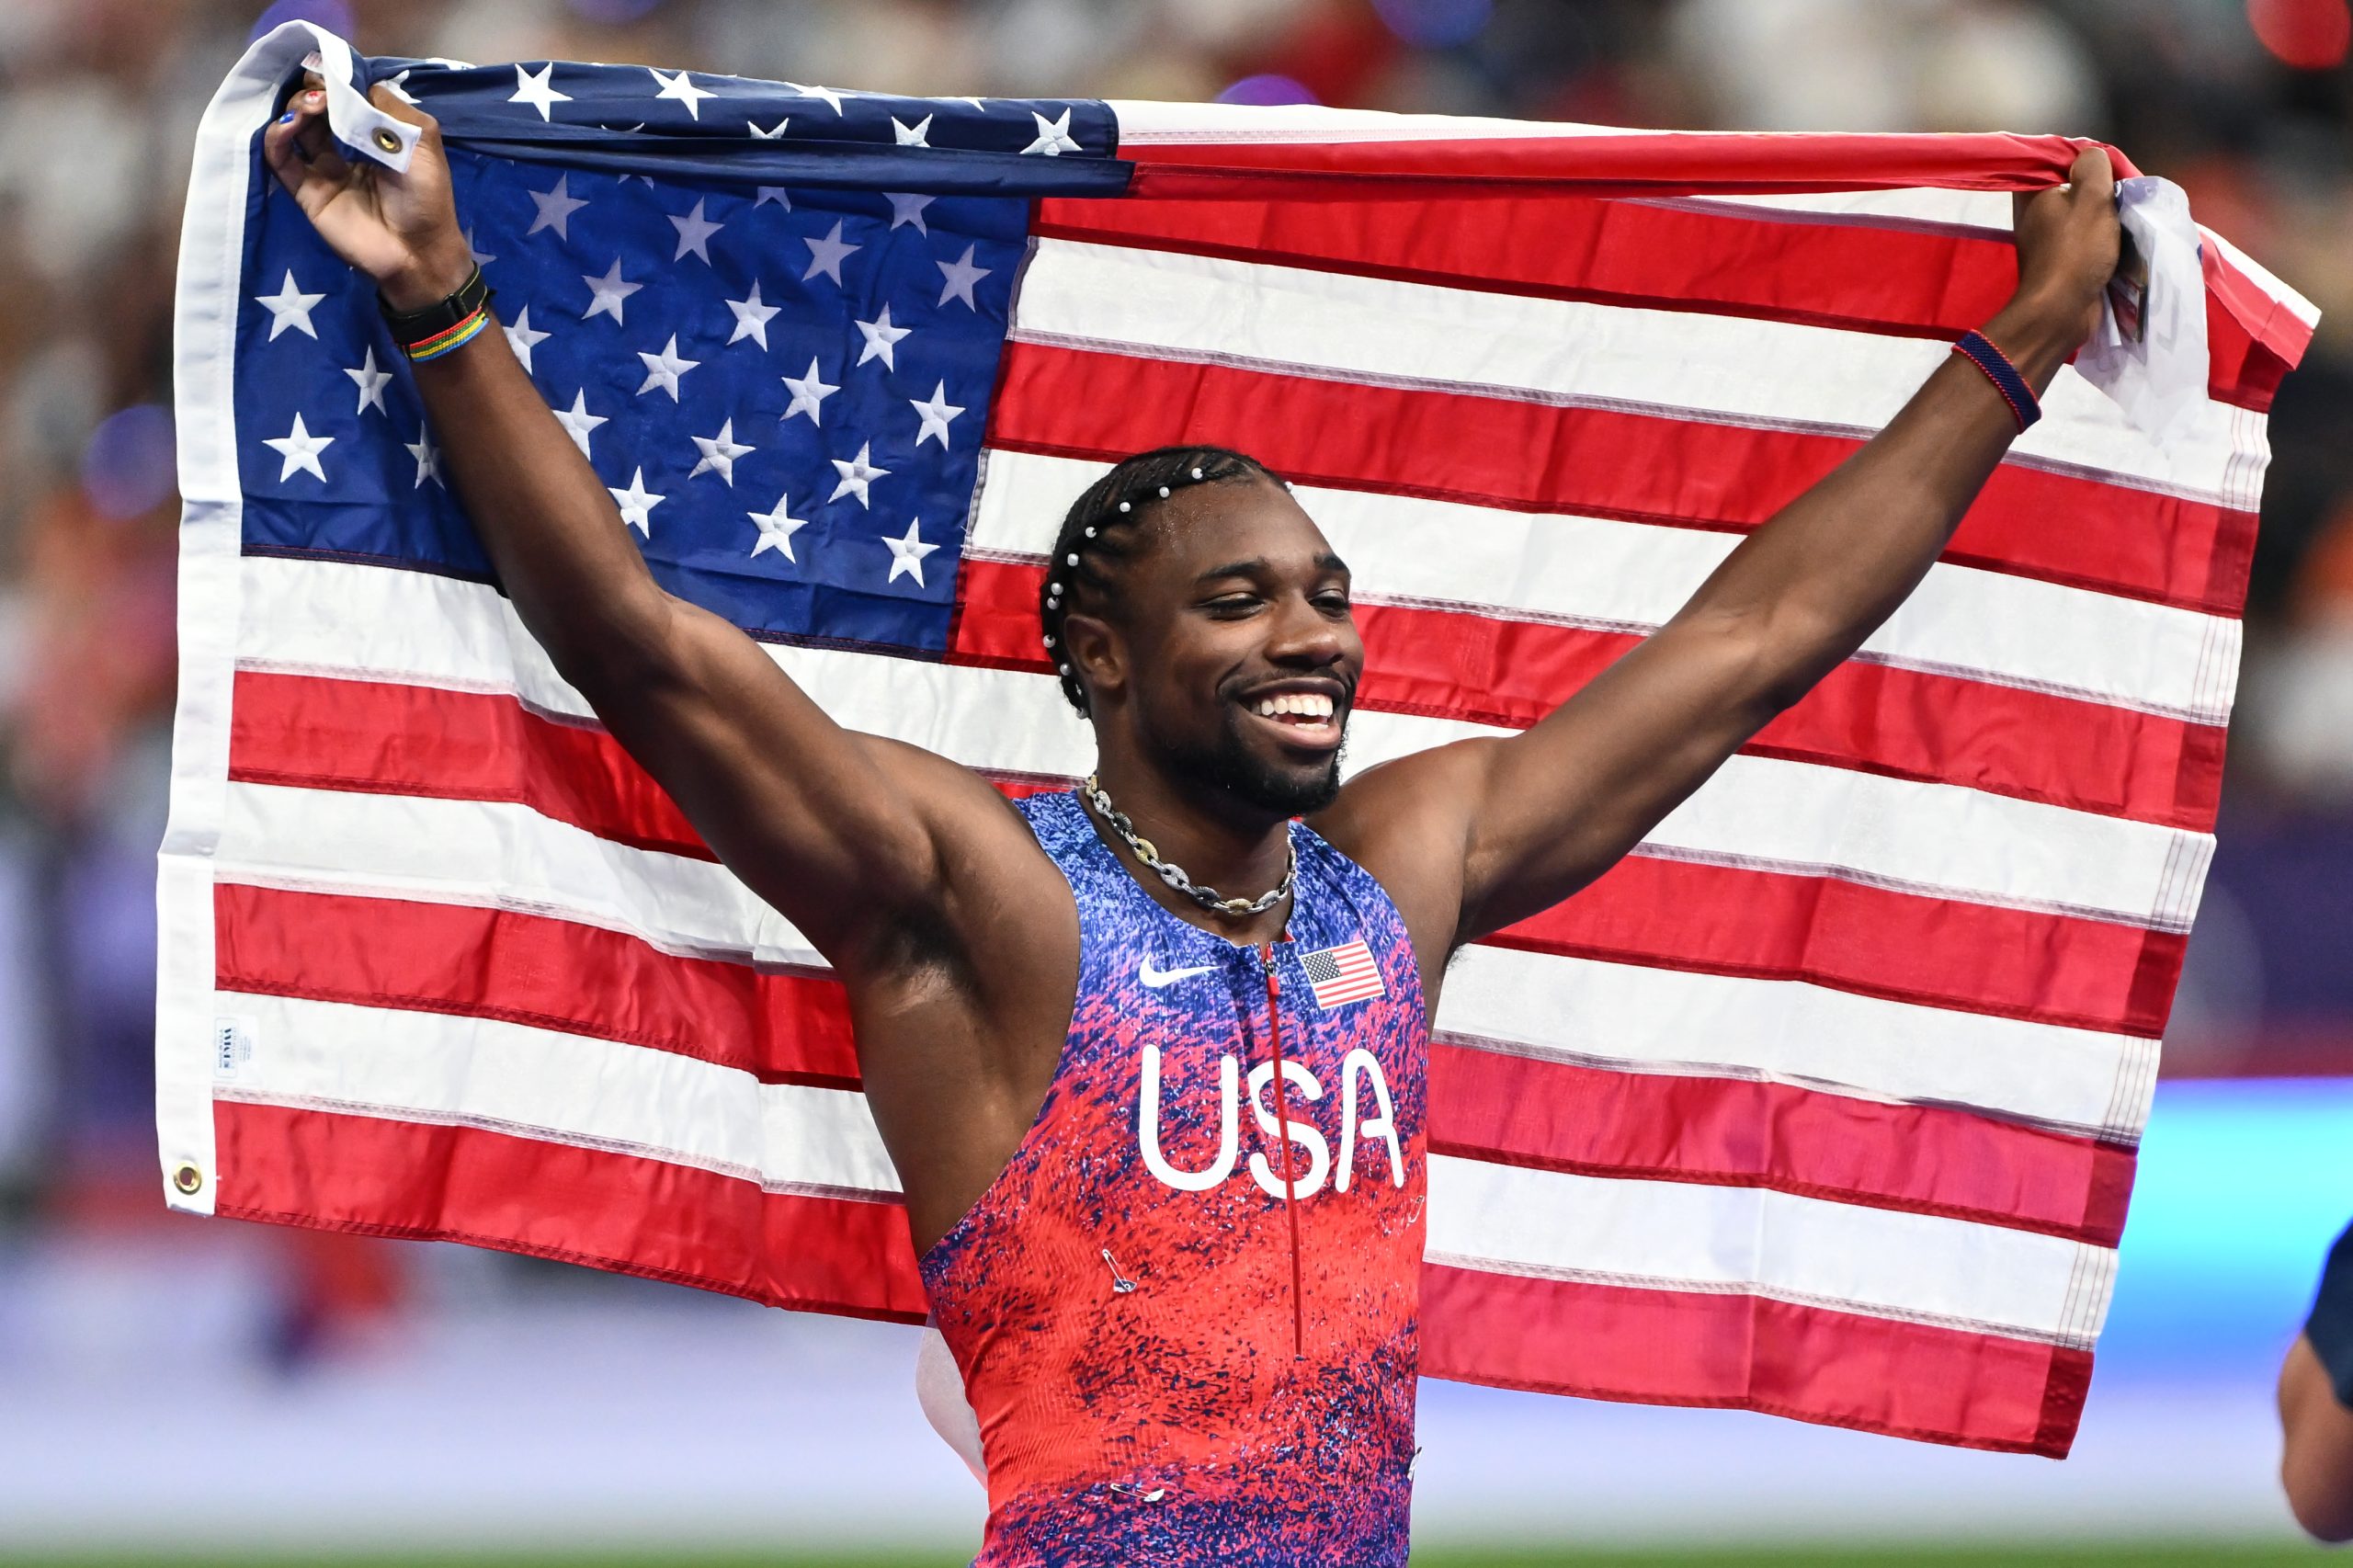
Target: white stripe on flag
568,1088
1682,1236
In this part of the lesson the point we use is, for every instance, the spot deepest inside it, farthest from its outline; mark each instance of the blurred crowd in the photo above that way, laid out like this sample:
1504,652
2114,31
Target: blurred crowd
2243,102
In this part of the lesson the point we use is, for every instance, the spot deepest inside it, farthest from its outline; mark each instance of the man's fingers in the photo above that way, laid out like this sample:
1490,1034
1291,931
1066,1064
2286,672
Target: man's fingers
2093,174
384,98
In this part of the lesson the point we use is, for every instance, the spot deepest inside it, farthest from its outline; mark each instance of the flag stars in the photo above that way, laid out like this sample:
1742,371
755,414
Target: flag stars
682,87
809,393
882,339
916,135
961,275
906,554
428,459
371,382
290,307
538,90
693,233
827,254
556,208
607,292
522,338
752,317
719,452
775,193
909,209
664,369
637,504
936,415
777,530
858,477
1053,135
832,98
775,132
301,452
577,422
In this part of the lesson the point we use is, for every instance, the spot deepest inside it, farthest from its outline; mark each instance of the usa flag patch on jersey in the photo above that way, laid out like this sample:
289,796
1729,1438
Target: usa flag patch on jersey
1343,974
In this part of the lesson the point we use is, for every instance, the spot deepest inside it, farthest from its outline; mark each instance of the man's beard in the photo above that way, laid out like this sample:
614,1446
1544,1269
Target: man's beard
1231,766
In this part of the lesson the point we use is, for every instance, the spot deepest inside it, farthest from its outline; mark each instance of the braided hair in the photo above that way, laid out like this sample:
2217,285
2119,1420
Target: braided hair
1098,534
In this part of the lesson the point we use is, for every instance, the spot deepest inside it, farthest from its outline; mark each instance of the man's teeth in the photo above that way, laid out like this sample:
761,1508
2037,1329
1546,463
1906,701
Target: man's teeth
1302,704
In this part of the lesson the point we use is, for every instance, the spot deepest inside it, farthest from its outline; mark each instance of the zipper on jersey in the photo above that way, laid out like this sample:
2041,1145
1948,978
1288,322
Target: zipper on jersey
1282,1137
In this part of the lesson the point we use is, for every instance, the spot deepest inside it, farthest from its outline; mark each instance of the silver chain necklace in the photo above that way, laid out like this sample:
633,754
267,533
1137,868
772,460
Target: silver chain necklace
1207,898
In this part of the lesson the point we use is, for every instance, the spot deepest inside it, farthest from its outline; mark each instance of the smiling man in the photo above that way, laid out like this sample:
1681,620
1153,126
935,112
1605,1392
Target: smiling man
1149,1057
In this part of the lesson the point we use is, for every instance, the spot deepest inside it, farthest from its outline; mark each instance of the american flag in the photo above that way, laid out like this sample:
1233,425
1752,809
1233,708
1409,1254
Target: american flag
1342,974
1823,1103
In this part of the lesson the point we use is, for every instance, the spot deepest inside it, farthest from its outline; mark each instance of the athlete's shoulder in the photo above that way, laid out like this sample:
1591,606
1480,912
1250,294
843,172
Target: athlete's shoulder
1408,824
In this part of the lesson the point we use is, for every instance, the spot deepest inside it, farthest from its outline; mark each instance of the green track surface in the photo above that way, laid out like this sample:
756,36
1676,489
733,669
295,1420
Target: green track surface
2120,1555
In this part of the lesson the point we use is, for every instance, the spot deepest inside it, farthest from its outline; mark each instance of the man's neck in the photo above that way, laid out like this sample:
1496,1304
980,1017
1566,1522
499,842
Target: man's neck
1220,843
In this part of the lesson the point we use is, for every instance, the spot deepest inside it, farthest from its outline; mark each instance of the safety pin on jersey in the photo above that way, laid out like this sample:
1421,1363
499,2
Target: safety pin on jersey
1121,1283
1121,1488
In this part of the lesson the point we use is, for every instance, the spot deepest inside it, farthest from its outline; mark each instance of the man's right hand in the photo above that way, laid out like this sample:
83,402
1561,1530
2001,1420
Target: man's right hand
399,229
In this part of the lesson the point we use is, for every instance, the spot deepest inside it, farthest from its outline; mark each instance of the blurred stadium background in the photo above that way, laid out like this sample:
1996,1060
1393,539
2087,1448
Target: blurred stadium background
172,1389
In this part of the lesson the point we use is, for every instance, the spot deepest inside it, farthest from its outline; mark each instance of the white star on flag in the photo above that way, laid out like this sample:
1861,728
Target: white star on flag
882,338
682,87
961,275
909,209
719,452
290,307
556,208
827,254
827,93
857,476
637,503
752,317
758,135
522,338
538,91
777,530
428,459
936,416
907,554
664,369
474,253
693,233
914,135
1053,135
398,88
300,450
371,382
775,193
577,421
808,393
608,291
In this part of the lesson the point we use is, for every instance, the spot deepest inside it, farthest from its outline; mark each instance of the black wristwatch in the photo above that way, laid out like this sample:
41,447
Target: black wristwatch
412,327
2330,1328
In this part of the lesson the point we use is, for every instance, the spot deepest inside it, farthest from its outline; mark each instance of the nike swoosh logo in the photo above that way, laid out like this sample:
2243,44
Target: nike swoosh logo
1156,978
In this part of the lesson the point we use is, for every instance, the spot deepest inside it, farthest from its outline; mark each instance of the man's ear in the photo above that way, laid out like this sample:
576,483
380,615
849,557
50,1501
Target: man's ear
1097,653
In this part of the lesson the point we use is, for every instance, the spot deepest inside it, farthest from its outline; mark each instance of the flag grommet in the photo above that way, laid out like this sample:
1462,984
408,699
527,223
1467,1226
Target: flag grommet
386,140
189,1180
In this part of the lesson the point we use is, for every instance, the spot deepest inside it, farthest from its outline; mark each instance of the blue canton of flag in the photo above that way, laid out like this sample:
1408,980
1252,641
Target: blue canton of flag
783,378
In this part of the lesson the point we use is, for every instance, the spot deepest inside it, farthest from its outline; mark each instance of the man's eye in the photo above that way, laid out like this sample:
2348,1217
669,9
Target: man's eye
1232,604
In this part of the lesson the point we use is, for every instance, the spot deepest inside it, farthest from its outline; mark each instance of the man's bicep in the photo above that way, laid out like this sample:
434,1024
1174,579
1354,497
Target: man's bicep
832,827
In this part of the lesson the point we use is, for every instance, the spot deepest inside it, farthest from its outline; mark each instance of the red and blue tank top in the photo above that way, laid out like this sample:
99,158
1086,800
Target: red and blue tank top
1186,1312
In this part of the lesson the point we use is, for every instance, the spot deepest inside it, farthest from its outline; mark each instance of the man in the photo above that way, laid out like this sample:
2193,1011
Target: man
1183,1340
2316,1406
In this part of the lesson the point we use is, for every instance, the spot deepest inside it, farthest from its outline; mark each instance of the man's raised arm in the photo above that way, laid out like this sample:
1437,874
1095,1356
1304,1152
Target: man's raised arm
835,829
1536,816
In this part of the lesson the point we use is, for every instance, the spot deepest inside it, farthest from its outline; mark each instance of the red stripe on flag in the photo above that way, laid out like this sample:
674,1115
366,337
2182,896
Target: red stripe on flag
1941,952
623,1212
1778,264
384,737
1524,1110
1980,958
1902,723
527,969
1676,471
1745,1352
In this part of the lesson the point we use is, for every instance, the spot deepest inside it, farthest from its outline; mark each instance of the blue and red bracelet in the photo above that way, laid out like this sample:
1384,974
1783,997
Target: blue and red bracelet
1982,353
